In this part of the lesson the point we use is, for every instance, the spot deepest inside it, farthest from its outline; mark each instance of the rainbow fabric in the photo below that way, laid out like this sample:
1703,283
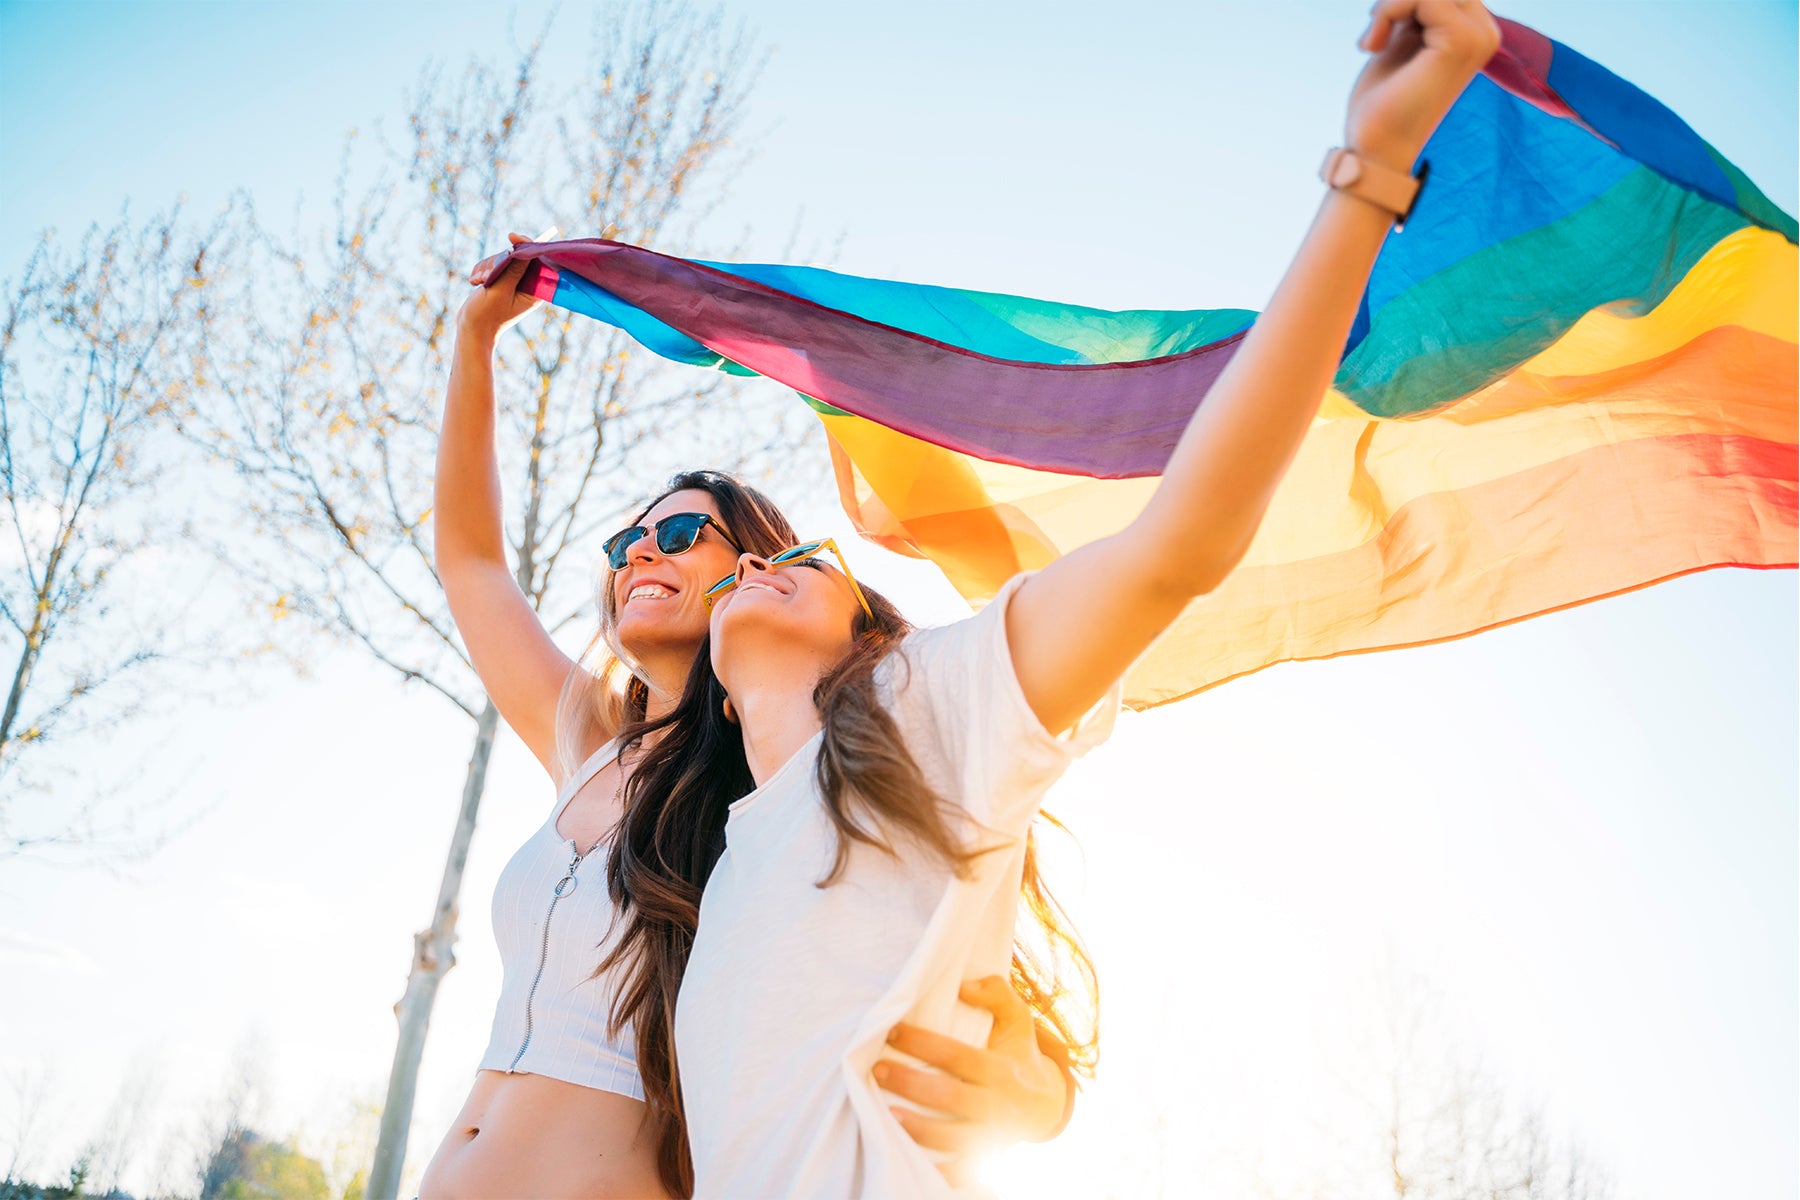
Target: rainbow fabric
1572,375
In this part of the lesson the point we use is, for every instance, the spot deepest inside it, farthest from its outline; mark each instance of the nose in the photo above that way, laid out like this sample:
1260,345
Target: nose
644,549
751,564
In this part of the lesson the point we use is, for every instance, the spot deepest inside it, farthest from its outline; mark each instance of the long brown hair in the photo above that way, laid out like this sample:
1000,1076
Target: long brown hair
673,827
873,788
690,769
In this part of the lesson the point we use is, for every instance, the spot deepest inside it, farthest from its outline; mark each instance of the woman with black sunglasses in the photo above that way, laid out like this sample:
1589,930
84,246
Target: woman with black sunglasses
561,1104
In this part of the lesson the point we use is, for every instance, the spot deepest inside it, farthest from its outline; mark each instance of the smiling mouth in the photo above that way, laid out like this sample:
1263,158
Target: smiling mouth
759,583
649,591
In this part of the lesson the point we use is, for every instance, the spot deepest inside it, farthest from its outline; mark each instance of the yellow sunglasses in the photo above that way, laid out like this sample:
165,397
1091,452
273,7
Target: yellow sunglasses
794,556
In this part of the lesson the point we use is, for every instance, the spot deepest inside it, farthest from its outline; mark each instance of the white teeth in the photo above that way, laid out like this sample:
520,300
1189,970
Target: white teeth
757,583
654,590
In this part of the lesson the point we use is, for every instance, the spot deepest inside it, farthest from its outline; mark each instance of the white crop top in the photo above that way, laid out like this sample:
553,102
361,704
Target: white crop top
554,922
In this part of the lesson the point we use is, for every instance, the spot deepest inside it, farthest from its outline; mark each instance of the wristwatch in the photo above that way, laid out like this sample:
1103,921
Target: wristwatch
1384,187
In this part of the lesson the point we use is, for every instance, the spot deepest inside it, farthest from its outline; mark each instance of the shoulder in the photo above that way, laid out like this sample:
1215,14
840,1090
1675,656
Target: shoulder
975,642
956,699
946,669
964,672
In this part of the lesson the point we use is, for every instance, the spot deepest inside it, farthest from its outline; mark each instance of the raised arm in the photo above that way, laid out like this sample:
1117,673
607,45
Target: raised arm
1077,625
519,665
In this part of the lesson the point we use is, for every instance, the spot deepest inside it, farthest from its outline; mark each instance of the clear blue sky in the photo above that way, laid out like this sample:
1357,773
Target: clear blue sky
1581,830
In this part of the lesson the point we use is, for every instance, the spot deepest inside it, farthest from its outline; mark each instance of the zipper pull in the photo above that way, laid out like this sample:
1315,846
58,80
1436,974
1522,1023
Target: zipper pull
567,883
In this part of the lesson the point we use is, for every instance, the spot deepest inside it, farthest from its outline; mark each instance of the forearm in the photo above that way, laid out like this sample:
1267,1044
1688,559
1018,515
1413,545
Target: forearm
1086,617
1233,454
467,502
1080,623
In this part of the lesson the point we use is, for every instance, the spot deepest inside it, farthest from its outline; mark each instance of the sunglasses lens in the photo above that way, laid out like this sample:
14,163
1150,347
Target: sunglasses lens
718,589
618,546
803,550
677,534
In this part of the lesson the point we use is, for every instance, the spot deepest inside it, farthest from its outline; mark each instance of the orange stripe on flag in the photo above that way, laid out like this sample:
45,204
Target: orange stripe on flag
1635,449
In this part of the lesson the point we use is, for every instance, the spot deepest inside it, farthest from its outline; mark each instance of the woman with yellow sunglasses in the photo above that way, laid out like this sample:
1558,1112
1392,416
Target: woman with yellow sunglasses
870,865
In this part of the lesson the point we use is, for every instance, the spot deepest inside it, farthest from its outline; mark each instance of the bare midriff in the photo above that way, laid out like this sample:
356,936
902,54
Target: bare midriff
528,1135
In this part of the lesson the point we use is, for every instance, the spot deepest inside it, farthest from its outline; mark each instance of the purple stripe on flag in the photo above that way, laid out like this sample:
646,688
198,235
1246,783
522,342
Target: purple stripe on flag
1110,420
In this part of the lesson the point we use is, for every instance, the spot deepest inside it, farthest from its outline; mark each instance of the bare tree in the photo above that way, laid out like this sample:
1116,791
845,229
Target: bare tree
89,367
327,361
119,1141
227,1127
30,1120
1440,1127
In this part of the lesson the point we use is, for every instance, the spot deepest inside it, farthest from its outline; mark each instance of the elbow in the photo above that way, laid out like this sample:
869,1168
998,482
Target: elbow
451,553
443,539
1190,550
1216,566
444,559
1196,570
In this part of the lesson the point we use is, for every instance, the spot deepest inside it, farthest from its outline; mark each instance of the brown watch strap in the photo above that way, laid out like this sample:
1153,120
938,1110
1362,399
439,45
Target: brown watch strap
1384,187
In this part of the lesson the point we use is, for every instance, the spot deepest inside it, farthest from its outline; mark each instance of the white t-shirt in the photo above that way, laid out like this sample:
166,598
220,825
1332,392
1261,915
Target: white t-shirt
791,988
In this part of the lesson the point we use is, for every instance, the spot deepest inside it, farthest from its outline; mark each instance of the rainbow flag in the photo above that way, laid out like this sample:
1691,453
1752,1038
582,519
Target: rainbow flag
1572,375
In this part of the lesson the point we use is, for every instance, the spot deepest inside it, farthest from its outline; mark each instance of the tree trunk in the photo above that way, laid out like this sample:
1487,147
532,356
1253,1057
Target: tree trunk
432,960
34,641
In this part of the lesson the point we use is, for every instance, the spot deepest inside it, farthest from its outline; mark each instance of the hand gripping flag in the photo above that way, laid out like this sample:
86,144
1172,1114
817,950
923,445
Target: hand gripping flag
1572,375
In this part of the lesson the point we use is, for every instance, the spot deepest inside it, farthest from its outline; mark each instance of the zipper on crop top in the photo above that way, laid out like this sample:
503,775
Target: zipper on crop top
564,887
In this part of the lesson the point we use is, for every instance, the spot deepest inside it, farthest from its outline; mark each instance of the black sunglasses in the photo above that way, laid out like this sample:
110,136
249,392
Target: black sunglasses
675,534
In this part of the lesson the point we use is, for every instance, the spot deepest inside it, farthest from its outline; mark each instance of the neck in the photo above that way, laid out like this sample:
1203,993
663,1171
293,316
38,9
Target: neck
777,716
667,675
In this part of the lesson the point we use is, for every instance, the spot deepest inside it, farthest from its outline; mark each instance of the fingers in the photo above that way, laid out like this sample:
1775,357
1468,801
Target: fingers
483,272
1382,19
1394,26
1458,26
1012,1016
953,1137
966,1062
972,1064
1484,29
489,272
945,1093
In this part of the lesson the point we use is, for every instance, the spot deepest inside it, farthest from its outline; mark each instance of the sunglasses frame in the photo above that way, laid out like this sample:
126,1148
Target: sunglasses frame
655,531
793,556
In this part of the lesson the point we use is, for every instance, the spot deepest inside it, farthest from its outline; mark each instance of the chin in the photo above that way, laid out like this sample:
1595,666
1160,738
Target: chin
641,628
781,630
